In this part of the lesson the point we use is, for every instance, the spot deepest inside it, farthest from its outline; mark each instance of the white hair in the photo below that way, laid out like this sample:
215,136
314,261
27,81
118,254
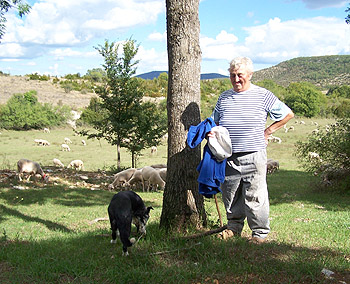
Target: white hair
241,62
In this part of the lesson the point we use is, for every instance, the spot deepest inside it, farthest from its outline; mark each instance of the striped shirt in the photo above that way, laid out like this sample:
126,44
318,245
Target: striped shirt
244,115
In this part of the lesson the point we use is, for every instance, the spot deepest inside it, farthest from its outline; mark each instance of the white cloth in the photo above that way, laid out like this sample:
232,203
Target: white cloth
220,145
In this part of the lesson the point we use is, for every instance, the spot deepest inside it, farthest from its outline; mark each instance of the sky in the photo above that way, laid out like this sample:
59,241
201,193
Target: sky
60,37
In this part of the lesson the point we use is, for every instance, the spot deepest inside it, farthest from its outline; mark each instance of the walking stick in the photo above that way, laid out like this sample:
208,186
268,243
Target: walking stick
217,208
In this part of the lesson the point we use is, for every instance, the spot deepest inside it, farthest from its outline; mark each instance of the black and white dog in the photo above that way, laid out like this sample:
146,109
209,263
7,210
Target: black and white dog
124,208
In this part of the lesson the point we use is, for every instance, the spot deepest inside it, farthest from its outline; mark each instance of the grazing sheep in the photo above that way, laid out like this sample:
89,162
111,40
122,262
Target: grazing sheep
315,131
274,139
272,166
67,140
65,147
31,168
154,150
162,172
76,164
57,163
122,178
291,128
147,171
136,178
41,142
46,130
156,181
314,156
83,142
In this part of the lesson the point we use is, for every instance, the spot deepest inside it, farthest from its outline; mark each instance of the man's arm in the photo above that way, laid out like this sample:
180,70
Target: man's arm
277,125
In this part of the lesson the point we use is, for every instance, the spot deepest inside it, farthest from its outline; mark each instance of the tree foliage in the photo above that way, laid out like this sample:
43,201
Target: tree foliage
347,19
333,147
304,99
24,112
122,118
5,6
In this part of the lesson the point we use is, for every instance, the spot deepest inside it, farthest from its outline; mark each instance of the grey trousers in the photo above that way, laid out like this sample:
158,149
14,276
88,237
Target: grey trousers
245,193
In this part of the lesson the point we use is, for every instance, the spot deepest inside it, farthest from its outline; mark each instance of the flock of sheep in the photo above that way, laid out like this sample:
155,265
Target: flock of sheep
149,177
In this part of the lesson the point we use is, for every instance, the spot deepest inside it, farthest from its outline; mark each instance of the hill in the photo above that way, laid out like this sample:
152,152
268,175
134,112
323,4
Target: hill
322,71
154,74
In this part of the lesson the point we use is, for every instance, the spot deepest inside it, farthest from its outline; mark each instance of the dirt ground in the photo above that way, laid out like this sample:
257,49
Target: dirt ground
46,90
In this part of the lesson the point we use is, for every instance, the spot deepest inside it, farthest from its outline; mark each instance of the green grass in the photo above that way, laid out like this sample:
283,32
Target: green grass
46,234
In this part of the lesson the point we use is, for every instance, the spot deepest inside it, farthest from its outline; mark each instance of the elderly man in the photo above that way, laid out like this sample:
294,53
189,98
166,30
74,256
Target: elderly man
243,111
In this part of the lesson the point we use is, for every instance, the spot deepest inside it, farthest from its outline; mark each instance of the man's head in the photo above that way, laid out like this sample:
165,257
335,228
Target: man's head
241,71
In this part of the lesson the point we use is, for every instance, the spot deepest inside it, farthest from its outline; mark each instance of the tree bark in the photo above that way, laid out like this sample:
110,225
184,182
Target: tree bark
182,204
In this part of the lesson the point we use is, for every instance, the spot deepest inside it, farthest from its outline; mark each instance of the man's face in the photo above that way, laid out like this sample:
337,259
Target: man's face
240,79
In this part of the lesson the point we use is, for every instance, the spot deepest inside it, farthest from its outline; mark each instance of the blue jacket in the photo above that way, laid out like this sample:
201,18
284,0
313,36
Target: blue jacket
211,172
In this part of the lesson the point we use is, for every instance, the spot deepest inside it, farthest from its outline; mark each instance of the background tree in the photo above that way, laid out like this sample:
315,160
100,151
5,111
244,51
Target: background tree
304,99
5,6
117,114
182,204
347,19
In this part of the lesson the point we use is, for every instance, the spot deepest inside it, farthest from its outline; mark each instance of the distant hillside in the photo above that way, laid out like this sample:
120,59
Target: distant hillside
322,71
154,74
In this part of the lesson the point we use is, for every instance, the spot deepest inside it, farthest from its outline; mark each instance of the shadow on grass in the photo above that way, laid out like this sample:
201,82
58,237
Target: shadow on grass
90,258
290,186
49,224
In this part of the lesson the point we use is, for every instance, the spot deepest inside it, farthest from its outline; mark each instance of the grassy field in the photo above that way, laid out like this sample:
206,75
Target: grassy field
48,233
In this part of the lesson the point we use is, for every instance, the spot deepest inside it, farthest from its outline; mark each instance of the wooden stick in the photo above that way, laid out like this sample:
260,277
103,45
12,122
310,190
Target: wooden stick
217,208
206,233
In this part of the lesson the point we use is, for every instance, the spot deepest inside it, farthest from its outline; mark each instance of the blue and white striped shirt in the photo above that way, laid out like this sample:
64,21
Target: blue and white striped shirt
244,115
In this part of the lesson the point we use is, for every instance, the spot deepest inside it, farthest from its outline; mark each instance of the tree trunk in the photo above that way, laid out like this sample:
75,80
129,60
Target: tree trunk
118,156
182,204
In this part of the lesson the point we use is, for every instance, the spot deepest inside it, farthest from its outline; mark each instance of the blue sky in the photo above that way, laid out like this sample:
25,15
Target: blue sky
58,36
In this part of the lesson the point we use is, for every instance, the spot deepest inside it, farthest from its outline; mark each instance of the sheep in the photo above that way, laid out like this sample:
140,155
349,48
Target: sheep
147,171
46,130
57,163
76,164
65,147
156,181
41,142
154,149
274,139
122,178
315,131
162,172
67,140
83,142
136,178
314,156
272,166
31,168
291,128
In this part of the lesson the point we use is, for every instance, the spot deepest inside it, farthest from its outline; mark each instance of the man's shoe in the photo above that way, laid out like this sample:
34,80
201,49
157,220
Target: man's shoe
257,240
227,233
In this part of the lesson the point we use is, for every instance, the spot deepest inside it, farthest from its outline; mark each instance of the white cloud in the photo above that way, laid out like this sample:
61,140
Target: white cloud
150,59
277,41
158,37
69,23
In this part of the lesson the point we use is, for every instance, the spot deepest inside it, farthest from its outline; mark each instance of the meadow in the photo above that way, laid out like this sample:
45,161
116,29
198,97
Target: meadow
50,233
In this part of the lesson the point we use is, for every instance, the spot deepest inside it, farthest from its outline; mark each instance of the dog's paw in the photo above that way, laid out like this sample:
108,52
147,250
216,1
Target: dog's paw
125,253
132,240
113,241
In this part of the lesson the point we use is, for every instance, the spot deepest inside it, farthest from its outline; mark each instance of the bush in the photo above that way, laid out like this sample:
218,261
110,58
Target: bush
36,76
23,112
333,147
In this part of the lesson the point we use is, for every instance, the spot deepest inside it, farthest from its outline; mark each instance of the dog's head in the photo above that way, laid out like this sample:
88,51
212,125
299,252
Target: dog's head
141,221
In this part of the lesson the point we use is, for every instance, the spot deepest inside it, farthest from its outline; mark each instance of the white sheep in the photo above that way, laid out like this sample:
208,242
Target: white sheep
154,149
156,181
314,156
65,147
67,140
57,163
41,142
31,168
162,172
122,178
83,142
76,164
136,178
46,130
147,171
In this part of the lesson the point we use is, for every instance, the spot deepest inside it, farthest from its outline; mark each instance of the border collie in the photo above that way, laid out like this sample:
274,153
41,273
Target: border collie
127,207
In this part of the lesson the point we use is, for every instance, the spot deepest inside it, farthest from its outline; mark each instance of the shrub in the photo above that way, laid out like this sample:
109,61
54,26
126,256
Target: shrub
23,112
333,147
